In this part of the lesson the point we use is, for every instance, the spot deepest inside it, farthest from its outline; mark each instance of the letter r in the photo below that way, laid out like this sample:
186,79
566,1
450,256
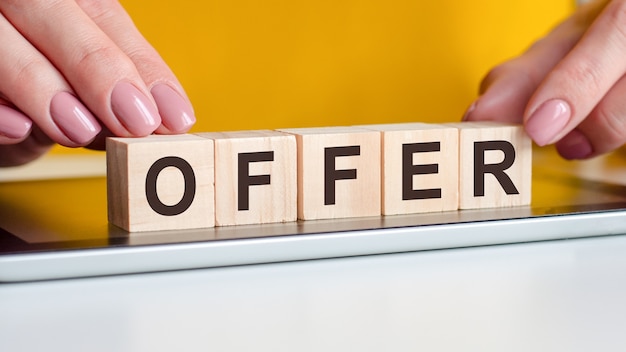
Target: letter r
497,170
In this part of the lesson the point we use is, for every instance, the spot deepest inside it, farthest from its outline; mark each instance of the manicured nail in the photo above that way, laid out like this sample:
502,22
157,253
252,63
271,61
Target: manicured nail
13,124
73,118
176,113
134,110
575,146
469,111
548,121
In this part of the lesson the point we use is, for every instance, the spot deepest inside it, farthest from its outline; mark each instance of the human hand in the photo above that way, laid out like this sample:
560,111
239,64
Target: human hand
569,88
75,71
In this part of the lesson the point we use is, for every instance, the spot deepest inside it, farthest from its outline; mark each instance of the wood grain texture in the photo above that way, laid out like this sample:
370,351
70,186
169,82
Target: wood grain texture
338,172
264,176
255,177
420,171
131,160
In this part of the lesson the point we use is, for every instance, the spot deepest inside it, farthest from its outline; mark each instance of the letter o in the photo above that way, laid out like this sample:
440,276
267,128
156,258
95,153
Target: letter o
151,186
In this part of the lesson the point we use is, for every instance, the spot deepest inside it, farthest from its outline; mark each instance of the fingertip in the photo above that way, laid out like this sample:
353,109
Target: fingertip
36,144
504,99
176,113
74,119
495,105
575,146
14,125
134,110
468,113
547,123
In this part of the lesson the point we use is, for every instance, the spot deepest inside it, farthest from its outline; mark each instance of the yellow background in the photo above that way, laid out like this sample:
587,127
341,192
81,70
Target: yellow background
287,63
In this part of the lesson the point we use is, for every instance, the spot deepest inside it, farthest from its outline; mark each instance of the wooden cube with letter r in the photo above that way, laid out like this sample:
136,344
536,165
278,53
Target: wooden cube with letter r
160,182
495,165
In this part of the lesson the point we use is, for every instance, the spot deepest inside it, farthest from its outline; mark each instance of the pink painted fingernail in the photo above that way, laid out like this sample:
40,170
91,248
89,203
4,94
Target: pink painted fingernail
13,124
176,113
134,110
73,118
575,146
548,121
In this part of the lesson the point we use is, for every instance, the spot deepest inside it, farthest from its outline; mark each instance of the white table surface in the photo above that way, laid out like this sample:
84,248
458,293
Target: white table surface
549,296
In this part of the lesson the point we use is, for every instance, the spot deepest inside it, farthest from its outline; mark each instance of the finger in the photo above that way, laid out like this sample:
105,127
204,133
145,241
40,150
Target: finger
101,74
173,104
504,94
51,104
579,82
31,148
506,90
604,130
14,126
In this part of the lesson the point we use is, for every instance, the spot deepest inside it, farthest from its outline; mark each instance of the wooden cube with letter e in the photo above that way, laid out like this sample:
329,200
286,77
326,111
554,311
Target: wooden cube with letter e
420,167
338,172
160,182
255,177
495,165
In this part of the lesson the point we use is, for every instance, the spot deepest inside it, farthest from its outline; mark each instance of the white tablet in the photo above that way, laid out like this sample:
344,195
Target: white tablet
56,229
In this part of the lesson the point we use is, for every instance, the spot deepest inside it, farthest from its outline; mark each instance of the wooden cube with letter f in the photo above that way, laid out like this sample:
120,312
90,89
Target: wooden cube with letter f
255,178
338,172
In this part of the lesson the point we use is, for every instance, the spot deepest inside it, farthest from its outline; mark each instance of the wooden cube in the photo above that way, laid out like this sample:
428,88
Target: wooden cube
338,172
495,165
255,177
420,167
160,182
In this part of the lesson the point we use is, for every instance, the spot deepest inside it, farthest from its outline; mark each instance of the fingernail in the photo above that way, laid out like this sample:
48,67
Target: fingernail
575,146
13,124
134,110
73,118
548,121
176,113
469,111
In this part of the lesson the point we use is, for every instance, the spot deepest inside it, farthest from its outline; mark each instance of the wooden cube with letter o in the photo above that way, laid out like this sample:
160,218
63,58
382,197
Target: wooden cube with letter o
160,182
